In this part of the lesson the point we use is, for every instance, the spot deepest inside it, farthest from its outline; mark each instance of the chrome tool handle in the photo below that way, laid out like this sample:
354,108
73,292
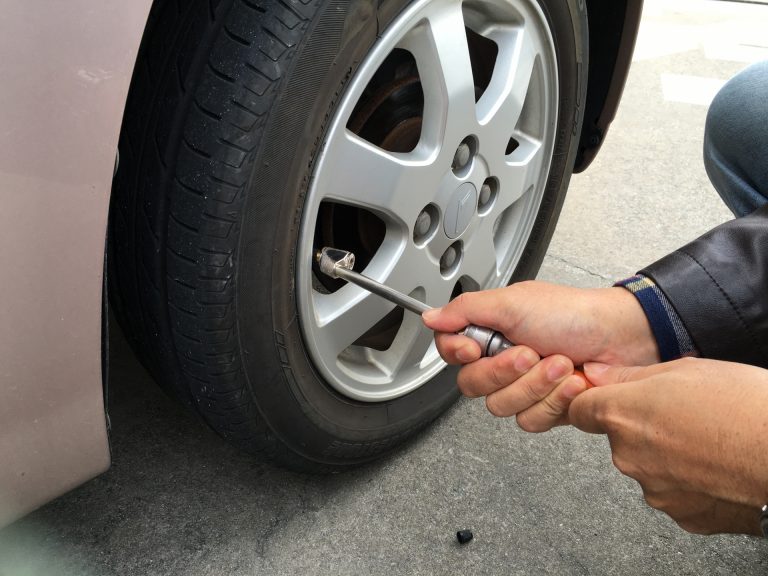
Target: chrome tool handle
491,342
338,264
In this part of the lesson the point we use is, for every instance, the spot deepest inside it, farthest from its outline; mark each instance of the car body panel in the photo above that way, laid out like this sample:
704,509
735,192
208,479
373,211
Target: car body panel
66,68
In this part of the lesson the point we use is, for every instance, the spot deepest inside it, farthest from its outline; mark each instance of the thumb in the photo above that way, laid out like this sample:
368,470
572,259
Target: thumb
587,411
489,308
601,374
592,411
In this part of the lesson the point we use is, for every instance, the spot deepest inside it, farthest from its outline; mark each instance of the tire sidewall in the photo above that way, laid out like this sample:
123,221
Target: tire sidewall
306,414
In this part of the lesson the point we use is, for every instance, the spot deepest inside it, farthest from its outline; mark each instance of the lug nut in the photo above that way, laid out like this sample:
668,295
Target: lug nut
464,536
449,258
423,223
485,194
426,223
461,158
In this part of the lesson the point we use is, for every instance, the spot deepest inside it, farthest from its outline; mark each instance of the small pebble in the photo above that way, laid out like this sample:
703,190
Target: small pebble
464,536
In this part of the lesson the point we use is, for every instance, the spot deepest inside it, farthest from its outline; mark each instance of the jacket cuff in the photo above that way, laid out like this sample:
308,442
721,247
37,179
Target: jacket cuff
714,323
671,336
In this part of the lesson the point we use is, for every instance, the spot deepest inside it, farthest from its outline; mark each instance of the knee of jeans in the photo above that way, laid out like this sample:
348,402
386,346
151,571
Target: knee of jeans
715,135
720,118
736,116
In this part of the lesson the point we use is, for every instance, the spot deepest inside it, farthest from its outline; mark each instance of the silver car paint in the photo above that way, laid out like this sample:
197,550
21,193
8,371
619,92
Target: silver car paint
65,68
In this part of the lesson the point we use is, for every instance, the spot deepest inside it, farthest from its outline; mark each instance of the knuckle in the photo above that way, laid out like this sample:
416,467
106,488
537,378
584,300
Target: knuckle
606,414
528,423
624,465
466,383
494,406
694,527
497,375
529,388
553,406
625,374
536,387
654,500
462,301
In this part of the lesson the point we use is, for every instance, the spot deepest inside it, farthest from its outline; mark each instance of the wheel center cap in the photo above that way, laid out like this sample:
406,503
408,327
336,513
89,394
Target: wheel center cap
460,210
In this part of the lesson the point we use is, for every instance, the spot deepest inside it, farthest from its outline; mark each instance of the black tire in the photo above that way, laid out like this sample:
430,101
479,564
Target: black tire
226,114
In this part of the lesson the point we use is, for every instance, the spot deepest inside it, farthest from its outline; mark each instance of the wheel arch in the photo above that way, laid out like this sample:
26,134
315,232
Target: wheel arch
613,26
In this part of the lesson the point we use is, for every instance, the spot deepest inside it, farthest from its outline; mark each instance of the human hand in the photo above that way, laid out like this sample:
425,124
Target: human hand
556,322
691,432
519,383
605,325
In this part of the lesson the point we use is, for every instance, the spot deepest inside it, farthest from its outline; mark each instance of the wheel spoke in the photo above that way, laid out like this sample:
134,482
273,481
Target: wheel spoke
519,173
345,315
442,55
414,270
410,345
500,110
367,176
502,102
478,263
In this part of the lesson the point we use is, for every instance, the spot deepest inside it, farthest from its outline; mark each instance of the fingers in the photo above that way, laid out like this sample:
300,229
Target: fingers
488,375
587,412
457,349
507,397
604,375
530,388
553,409
518,382
590,412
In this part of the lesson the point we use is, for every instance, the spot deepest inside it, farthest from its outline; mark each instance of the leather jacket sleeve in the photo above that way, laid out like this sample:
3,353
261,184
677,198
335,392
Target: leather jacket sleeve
718,285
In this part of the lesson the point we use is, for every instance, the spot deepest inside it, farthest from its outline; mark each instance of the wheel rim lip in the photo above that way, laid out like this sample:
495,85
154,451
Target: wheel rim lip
343,377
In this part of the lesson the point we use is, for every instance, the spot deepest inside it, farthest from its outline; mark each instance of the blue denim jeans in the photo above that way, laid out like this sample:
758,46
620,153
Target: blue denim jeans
736,140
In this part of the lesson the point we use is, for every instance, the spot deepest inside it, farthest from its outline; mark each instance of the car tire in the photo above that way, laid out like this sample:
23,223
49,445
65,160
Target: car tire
227,186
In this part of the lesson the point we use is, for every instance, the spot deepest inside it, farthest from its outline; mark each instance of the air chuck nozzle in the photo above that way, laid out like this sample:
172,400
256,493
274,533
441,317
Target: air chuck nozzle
330,259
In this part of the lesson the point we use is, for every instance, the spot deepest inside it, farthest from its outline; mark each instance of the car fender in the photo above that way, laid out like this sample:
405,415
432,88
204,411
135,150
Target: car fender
66,68
613,26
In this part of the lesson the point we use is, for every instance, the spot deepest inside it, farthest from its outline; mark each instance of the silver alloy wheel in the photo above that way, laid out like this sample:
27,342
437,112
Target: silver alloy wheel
479,215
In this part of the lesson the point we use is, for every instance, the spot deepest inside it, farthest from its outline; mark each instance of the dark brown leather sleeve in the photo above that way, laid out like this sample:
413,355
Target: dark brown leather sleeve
718,284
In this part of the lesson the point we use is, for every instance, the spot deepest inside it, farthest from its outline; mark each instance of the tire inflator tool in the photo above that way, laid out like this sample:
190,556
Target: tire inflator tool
338,264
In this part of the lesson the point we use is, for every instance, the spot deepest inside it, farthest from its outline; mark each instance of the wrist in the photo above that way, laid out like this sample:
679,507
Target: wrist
629,339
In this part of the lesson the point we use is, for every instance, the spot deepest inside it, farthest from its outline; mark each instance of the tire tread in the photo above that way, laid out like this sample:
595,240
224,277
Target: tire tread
174,219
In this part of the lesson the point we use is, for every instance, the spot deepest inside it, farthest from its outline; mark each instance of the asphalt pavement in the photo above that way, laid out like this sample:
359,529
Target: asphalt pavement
179,501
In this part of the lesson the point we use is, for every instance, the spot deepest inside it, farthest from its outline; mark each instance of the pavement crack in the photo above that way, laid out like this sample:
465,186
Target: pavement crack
581,268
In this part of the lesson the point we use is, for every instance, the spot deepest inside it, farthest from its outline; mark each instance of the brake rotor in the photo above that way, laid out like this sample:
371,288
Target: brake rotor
391,116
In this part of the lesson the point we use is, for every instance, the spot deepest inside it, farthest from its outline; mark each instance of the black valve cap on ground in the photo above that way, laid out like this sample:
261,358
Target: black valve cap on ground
464,536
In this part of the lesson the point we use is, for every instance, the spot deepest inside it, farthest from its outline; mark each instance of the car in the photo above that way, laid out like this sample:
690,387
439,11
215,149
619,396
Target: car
183,162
